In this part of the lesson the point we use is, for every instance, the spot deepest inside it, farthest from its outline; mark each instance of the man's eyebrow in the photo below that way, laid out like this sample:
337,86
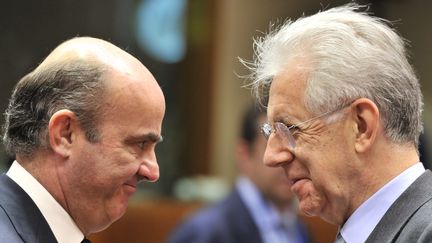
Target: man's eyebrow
153,137
156,138
284,118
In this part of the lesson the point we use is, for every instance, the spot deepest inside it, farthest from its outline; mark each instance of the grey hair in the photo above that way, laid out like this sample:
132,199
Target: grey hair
348,55
68,84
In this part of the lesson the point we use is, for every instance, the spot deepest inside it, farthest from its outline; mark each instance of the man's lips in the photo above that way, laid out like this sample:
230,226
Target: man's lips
131,185
293,180
133,181
130,188
297,182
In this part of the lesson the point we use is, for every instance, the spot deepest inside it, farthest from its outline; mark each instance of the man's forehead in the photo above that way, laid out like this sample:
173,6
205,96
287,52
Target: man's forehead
140,93
286,96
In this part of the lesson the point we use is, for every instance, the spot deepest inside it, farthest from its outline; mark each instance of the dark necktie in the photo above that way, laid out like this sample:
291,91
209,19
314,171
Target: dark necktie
86,241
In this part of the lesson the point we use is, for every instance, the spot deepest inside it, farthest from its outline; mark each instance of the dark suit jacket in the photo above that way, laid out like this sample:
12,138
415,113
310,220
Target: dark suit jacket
20,219
409,219
228,221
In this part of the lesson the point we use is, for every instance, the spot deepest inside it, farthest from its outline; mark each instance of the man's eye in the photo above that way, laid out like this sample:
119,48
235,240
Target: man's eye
290,126
142,144
294,129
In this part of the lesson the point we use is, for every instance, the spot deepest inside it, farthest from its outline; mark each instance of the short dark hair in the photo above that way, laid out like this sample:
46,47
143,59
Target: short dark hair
68,84
250,125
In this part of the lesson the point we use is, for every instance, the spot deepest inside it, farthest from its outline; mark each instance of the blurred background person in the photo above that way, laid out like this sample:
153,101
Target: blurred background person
261,207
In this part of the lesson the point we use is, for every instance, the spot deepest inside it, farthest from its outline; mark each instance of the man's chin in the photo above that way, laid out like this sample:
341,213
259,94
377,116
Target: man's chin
310,207
117,211
308,212
102,223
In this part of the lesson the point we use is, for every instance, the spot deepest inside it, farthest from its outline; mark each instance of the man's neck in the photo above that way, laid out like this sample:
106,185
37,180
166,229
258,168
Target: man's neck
380,168
43,166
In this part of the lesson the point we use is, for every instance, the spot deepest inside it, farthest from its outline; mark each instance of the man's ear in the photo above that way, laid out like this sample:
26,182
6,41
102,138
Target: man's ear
61,131
367,123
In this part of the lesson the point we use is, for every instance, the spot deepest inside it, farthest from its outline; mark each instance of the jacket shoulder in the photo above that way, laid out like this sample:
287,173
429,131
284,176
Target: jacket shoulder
419,226
226,221
205,226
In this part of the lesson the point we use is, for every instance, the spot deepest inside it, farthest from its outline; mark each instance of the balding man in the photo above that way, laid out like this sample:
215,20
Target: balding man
83,127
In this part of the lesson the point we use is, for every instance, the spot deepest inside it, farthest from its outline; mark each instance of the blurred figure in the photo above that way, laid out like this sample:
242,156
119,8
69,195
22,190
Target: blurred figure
261,208
344,120
83,126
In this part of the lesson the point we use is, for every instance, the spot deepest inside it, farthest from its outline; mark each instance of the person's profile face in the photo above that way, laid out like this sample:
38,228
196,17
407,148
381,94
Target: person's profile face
315,168
106,173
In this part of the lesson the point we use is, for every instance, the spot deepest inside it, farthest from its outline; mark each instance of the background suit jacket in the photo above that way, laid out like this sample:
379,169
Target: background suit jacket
20,218
409,219
228,221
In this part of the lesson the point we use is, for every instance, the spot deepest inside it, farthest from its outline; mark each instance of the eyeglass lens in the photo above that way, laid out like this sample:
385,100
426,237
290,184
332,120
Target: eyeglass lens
285,134
281,130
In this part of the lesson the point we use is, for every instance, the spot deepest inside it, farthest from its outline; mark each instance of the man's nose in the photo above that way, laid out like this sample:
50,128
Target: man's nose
149,170
277,153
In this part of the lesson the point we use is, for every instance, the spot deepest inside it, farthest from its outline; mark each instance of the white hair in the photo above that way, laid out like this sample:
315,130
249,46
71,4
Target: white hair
348,55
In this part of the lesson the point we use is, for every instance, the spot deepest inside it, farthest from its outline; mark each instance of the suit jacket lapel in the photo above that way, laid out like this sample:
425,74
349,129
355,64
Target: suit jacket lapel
23,212
402,209
243,226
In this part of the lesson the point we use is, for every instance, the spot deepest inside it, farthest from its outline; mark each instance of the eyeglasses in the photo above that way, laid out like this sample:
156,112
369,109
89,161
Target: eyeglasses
284,131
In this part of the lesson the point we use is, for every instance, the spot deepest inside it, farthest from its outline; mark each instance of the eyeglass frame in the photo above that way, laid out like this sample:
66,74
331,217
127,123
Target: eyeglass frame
267,129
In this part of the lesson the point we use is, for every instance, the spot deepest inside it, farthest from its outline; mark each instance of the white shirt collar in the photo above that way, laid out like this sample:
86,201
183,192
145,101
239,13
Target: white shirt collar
362,222
62,225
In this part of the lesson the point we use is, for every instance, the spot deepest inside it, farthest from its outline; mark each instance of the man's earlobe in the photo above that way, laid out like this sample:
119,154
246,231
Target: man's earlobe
61,131
367,118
